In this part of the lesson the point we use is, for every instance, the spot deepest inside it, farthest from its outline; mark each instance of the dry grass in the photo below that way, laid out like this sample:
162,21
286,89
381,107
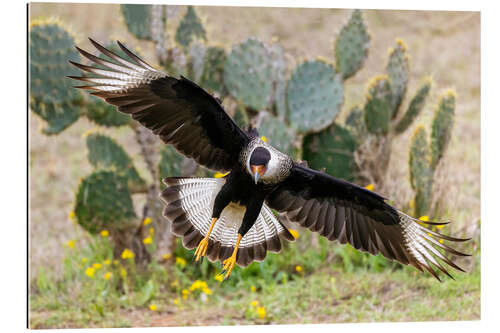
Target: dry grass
443,44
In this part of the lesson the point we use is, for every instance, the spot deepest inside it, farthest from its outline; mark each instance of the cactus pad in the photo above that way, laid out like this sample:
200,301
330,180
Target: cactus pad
421,175
51,94
138,19
105,153
314,95
378,105
279,67
248,74
278,134
416,105
213,70
189,28
170,162
355,123
103,201
397,70
332,149
442,125
351,45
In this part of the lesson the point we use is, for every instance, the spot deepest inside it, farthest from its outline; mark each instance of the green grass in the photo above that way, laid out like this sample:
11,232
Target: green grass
325,283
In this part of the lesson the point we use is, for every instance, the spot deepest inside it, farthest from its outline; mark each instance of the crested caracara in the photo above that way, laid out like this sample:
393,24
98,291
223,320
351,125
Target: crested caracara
230,219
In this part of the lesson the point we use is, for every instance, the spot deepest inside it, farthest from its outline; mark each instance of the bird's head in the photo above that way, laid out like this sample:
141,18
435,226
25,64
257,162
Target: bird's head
259,160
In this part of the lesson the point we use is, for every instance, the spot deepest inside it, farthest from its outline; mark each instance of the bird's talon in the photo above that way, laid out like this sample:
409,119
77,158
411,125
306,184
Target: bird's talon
201,250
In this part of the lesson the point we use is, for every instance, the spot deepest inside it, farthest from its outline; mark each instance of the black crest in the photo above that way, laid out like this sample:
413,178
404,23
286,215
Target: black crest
260,156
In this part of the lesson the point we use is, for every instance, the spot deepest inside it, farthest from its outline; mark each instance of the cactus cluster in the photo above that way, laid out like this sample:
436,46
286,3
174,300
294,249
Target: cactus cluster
295,108
425,156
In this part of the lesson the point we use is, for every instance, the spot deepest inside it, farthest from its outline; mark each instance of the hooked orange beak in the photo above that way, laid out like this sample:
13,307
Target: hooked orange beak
257,171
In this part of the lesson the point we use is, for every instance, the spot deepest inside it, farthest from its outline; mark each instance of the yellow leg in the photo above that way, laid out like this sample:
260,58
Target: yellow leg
201,250
231,261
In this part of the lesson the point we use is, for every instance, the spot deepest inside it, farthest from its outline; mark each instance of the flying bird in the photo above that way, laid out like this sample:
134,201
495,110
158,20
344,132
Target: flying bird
231,219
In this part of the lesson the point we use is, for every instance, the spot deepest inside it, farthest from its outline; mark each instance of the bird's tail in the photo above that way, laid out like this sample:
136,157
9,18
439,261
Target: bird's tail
189,203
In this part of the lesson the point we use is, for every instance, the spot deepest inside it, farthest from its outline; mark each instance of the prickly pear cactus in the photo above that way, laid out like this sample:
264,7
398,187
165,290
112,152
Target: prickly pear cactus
138,19
170,164
414,109
278,134
279,67
51,94
355,123
103,201
314,95
351,45
212,78
379,105
442,125
332,149
105,154
248,74
398,72
189,28
421,175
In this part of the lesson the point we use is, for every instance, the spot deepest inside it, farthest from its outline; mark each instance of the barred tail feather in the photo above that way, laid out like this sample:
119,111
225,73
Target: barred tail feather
189,203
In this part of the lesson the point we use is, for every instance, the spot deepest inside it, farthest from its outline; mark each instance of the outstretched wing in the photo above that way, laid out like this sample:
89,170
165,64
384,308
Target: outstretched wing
177,110
351,214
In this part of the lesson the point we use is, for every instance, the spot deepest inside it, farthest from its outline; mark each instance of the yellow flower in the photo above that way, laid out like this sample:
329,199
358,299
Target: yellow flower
90,272
220,174
97,266
263,138
219,277
151,231
107,262
71,215
261,311
207,291
198,284
253,289
85,259
294,233
71,243
123,272
152,307
148,240
254,303
424,218
185,293
370,187
108,276
180,261
166,256
104,233
177,301
175,283
298,268
147,221
441,241
127,254
440,226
